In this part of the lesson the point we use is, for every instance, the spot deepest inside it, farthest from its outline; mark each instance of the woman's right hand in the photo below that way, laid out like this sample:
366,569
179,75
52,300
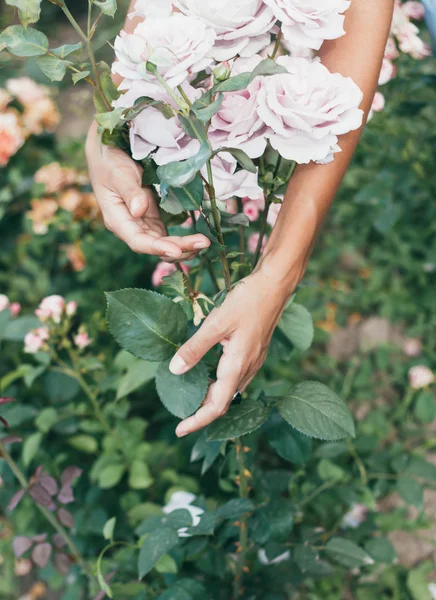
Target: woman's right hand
129,210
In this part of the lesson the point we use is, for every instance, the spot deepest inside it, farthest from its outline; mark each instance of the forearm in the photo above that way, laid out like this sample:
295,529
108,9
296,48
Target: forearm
313,187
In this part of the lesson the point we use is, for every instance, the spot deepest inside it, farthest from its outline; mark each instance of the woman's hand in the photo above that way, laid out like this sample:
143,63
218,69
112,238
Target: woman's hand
244,325
129,210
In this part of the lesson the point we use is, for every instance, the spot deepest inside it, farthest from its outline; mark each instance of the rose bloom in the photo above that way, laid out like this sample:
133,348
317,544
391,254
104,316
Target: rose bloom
71,308
152,8
273,214
413,10
41,116
163,269
388,72
179,46
51,307
253,241
56,178
407,34
75,256
82,340
228,182
34,340
242,26
42,213
355,517
412,347
308,23
4,302
420,376
11,136
391,50
307,109
26,91
378,104
5,98
15,308
251,210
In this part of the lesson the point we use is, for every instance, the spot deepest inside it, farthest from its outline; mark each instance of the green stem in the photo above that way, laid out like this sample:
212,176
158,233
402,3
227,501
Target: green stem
241,233
216,216
322,488
4,454
184,96
73,22
277,46
263,225
89,18
401,412
243,528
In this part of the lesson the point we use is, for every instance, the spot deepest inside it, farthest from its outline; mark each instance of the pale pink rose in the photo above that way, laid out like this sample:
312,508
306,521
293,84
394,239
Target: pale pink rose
163,269
148,9
25,90
15,308
420,376
71,308
179,46
11,136
41,116
82,340
412,347
34,340
378,103
259,201
228,182
4,302
391,50
5,98
253,241
51,307
388,71
242,26
273,214
413,10
308,23
407,34
251,209
355,517
307,109
237,124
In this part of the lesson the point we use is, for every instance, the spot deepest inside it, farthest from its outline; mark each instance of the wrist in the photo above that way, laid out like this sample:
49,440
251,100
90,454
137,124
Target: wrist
276,276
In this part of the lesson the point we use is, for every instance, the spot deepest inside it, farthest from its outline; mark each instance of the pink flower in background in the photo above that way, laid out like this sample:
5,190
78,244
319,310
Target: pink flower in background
251,209
52,307
82,340
420,376
12,136
242,26
5,98
355,517
391,50
378,104
71,308
15,308
253,241
179,46
307,109
413,10
4,302
388,71
34,340
308,23
229,182
273,214
412,347
26,91
407,33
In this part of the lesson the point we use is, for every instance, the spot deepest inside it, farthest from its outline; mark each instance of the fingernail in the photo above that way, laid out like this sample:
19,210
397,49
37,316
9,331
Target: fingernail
170,254
181,432
178,365
136,206
199,245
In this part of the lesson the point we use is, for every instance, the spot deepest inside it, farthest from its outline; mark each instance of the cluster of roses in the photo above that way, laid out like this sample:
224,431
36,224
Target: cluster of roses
54,312
300,111
405,37
6,304
25,109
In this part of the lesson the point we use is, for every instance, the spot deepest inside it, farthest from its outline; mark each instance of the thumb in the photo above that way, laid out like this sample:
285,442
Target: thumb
194,349
136,197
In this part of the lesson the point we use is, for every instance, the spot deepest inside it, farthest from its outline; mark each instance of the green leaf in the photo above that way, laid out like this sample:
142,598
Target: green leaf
139,475
417,581
110,120
204,108
243,159
76,77
290,444
166,564
46,419
233,84
206,526
67,49
108,7
60,387
267,67
16,329
146,324
108,86
193,127
328,471
381,550
411,491
30,447
306,558
240,420
155,545
23,42
182,395
347,553
84,443
145,102
108,529
315,410
110,475
179,174
235,508
139,372
425,407
297,325
29,11
53,68
189,197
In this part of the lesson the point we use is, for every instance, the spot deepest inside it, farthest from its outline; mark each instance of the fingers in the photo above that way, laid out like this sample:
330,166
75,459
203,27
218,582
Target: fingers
210,334
219,397
136,197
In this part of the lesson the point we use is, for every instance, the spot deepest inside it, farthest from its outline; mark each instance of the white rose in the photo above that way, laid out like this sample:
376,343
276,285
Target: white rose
308,23
307,109
178,45
420,376
242,26
152,8
229,183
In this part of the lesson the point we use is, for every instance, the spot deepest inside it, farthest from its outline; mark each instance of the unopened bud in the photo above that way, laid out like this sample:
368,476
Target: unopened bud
222,72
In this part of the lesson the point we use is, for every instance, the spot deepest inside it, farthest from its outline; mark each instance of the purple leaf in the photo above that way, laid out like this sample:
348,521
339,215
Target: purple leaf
65,517
62,563
20,545
49,484
70,474
41,554
66,494
37,474
11,439
40,495
38,539
58,541
16,499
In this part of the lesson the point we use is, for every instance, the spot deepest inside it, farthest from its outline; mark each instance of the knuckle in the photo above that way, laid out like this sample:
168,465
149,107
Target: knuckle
191,352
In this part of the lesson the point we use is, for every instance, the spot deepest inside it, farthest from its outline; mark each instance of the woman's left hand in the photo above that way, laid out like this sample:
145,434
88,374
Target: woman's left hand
244,325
